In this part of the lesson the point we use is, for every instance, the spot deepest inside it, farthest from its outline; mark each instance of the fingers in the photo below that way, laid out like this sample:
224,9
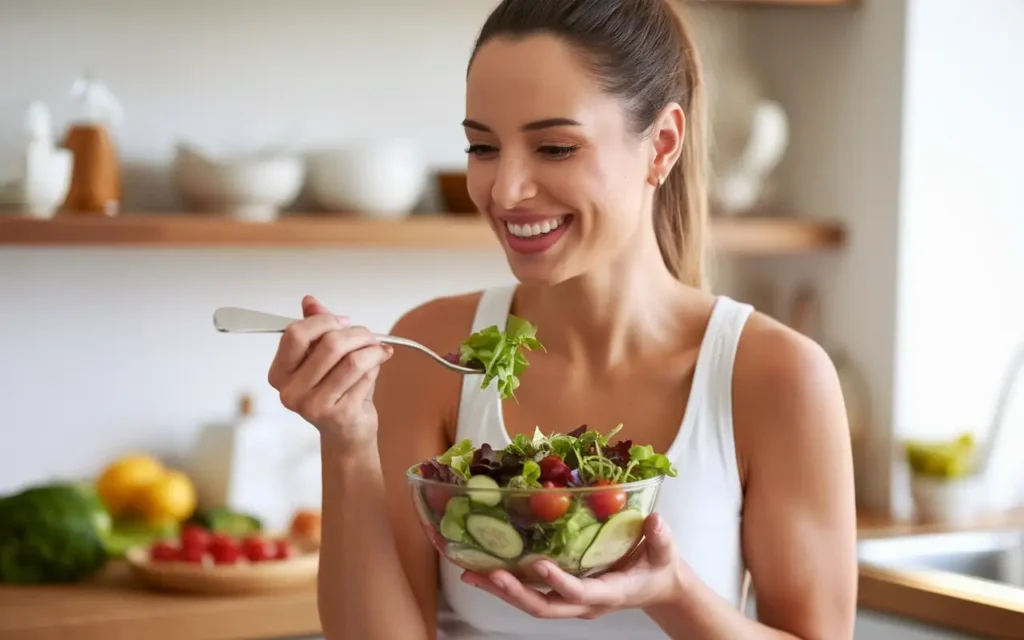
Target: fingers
660,547
539,605
333,348
295,343
593,592
352,378
311,306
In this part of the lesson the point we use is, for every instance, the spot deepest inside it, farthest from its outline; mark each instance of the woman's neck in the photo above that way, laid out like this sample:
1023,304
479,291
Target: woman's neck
622,312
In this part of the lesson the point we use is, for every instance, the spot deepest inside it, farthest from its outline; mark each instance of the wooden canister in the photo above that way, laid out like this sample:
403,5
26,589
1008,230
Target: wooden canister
95,179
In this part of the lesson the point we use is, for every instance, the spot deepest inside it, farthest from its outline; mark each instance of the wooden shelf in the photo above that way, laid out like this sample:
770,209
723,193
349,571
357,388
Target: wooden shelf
741,235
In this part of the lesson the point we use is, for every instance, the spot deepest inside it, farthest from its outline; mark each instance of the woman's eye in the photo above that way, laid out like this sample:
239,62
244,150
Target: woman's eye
480,149
558,151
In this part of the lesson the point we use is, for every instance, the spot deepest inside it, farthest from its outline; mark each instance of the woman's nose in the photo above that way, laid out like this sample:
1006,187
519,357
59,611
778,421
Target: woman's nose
513,183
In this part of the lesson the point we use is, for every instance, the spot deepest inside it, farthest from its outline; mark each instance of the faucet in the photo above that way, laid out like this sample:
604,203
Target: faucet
999,417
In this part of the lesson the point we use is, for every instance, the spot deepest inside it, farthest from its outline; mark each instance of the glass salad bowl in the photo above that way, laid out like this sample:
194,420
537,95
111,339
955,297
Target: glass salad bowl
566,499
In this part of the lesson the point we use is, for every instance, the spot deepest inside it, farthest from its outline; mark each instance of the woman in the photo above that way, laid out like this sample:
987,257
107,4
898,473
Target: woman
586,155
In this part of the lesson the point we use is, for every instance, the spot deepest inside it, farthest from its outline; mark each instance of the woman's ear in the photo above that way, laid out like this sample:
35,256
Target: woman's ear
667,135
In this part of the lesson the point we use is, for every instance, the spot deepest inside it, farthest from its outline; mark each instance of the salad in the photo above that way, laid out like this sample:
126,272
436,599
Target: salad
582,504
498,354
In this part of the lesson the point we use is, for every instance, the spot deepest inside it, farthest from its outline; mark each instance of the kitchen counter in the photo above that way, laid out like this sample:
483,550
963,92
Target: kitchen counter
112,608
947,600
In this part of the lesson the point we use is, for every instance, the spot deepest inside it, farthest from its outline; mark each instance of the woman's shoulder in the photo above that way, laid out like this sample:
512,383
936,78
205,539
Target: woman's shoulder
413,395
785,389
440,323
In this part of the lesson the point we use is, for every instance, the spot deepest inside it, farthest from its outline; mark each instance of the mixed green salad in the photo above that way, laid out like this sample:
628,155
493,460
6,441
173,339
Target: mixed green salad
498,354
574,508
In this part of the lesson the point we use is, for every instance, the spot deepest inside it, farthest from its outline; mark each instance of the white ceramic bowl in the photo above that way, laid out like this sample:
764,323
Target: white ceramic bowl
253,187
381,178
948,500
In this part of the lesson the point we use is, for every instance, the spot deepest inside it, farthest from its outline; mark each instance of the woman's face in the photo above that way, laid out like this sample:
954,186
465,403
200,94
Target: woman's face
553,161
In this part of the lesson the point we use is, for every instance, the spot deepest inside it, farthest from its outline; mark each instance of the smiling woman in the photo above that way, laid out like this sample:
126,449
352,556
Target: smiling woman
585,124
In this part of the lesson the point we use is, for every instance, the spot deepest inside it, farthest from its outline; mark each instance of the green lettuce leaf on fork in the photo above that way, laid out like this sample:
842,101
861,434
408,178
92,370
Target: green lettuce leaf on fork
499,354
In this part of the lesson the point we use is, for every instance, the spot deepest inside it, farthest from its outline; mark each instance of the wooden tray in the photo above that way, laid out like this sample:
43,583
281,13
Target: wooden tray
239,579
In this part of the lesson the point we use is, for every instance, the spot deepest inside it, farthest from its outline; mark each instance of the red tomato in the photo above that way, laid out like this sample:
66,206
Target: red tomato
223,540
224,549
606,503
549,505
164,552
194,535
285,549
258,549
225,554
193,554
552,469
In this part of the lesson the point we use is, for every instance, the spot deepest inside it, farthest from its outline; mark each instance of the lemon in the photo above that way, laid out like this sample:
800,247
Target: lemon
169,500
120,483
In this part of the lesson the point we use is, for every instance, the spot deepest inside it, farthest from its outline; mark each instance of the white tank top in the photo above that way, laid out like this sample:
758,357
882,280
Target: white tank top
702,505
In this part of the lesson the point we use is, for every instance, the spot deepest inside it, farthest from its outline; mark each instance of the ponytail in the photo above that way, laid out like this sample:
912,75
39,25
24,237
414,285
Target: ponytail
681,218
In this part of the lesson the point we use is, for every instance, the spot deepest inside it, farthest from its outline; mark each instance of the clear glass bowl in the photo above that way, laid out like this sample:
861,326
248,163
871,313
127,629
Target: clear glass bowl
481,527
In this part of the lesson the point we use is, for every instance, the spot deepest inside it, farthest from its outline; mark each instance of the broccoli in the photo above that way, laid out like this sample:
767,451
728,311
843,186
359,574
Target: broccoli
51,534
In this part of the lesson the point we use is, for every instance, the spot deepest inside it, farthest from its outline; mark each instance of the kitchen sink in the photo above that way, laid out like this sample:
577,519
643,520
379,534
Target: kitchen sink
995,556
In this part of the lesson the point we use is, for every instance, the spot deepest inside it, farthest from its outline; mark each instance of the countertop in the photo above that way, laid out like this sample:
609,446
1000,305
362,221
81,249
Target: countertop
111,607
945,600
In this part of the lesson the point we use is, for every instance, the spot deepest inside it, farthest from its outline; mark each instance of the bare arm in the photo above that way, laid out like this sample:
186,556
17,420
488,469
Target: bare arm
799,520
379,572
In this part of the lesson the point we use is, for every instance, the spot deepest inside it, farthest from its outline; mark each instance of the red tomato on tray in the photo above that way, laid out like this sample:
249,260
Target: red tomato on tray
258,549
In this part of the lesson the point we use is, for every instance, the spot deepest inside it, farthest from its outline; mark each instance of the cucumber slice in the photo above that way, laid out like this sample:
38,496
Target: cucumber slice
458,508
527,561
616,538
473,559
578,546
483,490
452,528
495,536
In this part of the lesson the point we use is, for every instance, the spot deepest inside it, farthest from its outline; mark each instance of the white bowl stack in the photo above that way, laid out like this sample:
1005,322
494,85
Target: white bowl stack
252,187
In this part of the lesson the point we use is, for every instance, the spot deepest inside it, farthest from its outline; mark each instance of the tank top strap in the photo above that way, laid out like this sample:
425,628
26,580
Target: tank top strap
479,417
493,307
708,425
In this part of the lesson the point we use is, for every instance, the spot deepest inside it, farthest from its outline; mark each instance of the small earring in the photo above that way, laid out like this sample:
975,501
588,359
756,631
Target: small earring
654,181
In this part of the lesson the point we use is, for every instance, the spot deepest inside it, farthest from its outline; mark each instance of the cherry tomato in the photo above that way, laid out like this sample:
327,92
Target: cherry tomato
194,535
224,549
549,505
284,549
193,554
258,549
164,552
225,554
606,503
224,540
552,469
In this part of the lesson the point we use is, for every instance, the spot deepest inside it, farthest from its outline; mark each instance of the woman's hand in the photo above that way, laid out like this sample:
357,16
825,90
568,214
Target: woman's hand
325,370
652,576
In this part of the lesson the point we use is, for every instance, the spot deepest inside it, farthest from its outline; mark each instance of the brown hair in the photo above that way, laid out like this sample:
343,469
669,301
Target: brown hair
641,51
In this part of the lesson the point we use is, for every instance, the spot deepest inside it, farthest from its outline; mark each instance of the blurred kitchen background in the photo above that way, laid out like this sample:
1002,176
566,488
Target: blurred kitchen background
869,194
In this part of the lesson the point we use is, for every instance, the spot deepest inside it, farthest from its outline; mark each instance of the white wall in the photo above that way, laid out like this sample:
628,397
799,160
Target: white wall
839,75
107,350
961,267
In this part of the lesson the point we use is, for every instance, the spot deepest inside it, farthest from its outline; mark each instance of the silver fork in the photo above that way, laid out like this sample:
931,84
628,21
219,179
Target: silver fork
238,320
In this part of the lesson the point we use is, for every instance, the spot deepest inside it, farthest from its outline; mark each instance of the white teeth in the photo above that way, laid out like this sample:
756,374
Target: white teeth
535,229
